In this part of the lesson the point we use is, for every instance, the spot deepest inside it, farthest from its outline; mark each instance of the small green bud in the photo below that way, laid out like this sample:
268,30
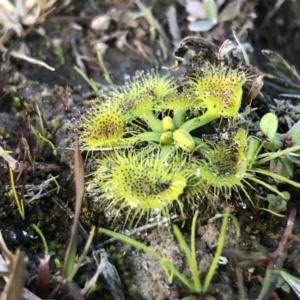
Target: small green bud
166,138
184,140
167,124
57,263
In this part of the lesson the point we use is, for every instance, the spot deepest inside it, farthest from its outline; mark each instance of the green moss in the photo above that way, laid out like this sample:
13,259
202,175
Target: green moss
55,124
12,90
4,133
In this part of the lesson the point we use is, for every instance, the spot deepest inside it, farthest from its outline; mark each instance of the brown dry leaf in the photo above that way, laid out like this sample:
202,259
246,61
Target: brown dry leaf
226,47
7,255
255,88
100,23
282,66
119,35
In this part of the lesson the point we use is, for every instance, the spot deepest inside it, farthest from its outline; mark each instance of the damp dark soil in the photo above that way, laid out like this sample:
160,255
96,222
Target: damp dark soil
33,98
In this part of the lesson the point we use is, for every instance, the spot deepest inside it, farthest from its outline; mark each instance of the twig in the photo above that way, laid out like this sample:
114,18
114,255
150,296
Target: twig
286,236
77,56
173,25
19,55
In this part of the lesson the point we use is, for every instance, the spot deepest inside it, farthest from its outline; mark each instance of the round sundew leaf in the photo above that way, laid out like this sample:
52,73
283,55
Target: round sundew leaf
225,164
220,91
287,195
155,188
211,10
269,125
185,100
103,126
140,183
103,130
144,93
201,25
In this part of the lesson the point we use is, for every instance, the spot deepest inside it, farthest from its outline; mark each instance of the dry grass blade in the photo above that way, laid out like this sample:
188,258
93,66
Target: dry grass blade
149,17
79,185
109,274
245,55
30,59
226,47
4,271
93,281
8,256
14,289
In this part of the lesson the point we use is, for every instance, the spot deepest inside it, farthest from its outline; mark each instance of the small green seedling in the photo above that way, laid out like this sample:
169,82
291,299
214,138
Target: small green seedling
285,147
19,202
278,203
41,134
94,85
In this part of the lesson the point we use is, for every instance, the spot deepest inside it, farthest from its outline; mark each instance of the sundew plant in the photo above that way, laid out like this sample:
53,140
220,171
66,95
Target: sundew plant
157,156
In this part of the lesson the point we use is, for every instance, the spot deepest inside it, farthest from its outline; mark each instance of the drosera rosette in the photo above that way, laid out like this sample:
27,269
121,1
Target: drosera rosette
219,92
137,184
104,126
